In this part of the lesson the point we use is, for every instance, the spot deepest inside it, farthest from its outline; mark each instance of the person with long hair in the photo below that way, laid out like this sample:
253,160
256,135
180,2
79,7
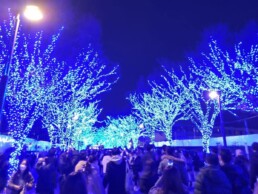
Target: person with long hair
22,180
169,183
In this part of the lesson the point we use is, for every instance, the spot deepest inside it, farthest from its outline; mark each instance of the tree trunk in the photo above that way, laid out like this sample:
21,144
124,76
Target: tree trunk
206,135
168,133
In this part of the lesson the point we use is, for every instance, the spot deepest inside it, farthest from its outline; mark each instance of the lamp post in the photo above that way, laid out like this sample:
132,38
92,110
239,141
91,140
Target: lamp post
217,95
32,13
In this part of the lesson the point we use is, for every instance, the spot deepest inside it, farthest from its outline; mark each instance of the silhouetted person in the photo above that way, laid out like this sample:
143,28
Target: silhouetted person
254,164
242,162
148,175
75,183
115,174
65,166
169,183
211,179
181,166
46,182
94,180
238,179
136,165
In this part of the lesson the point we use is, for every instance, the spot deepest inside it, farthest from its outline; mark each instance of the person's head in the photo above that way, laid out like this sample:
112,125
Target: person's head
138,151
225,156
214,150
211,160
255,147
172,181
23,166
108,153
51,152
92,158
239,152
170,151
149,147
177,153
187,155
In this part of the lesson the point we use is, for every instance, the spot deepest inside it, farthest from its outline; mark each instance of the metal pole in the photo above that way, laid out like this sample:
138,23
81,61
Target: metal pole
222,129
4,78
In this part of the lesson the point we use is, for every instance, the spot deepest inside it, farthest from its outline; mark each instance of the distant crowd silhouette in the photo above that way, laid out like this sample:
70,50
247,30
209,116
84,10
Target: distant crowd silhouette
147,170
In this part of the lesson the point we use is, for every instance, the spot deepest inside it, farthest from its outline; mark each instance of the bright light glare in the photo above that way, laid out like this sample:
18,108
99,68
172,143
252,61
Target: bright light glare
141,126
33,13
213,95
76,117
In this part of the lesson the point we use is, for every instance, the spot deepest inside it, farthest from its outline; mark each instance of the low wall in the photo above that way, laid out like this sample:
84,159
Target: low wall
241,140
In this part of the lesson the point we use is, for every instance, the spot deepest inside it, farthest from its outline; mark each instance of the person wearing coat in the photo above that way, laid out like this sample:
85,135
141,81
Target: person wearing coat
238,179
115,174
211,179
46,182
22,180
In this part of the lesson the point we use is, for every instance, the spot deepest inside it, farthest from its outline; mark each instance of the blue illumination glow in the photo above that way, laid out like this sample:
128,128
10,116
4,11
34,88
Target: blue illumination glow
160,109
24,89
70,103
118,132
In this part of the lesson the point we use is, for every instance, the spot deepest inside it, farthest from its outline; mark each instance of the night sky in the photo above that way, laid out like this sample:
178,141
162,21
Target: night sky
137,34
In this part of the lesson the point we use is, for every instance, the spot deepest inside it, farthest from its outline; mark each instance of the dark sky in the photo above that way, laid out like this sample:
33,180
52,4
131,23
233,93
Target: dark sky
136,34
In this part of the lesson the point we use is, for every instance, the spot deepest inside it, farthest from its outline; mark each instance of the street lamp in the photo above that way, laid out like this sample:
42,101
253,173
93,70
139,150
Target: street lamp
217,95
32,13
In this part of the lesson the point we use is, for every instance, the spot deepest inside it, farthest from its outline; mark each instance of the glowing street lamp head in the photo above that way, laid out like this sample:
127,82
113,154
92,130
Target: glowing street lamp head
213,94
33,13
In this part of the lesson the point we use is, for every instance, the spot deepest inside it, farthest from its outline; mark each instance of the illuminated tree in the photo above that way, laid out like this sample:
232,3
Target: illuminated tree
72,90
160,109
202,111
233,73
245,63
119,131
83,123
24,94
76,130
99,137
143,106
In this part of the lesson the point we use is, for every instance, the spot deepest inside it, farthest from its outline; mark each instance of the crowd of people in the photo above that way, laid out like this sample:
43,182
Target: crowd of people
147,170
